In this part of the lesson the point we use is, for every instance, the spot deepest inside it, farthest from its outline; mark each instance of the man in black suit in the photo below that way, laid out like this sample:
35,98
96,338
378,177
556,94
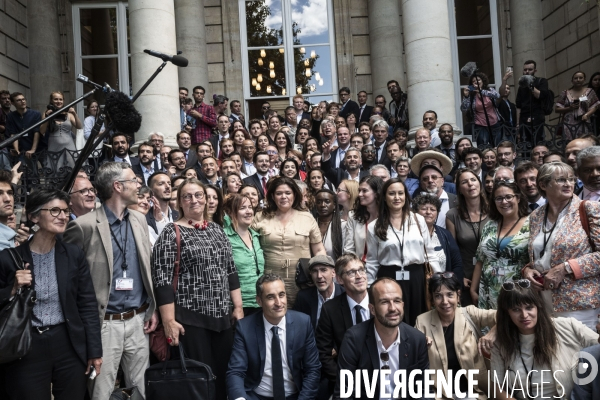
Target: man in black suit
364,111
380,136
298,102
259,179
341,313
507,109
274,354
146,154
347,106
384,342
352,163
222,133
120,150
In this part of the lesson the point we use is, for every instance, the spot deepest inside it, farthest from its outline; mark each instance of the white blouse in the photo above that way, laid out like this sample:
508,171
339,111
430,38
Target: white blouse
354,236
416,238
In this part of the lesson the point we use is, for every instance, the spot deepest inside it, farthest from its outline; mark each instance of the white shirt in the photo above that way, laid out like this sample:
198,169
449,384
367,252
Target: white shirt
341,154
541,201
394,362
125,159
441,220
160,225
147,172
250,168
322,300
366,314
380,151
435,137
265,387
589,195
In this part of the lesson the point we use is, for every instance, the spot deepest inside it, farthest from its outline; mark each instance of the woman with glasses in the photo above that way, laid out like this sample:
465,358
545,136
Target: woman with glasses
287,232
329,221
365,210
502,251
445,247
533,350
65,338
453,334
245,246
207,284
466,222
565,260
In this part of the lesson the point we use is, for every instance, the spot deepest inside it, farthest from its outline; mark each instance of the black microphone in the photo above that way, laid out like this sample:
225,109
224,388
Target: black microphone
119,108
526,81
176,60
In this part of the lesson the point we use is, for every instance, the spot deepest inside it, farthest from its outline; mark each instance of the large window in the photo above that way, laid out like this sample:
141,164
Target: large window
474,37
287,49
101,35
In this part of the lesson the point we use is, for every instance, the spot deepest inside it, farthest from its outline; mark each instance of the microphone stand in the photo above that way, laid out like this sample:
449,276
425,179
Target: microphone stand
487,118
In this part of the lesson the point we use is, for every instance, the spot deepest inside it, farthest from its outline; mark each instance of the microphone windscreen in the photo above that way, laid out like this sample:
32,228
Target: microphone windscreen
525,81
119,108
180,61
468,70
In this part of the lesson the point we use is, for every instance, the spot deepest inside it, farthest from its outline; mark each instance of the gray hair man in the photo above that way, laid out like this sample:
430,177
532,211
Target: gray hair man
588,171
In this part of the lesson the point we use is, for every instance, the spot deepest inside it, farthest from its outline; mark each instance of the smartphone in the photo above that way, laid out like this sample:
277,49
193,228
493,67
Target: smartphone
92,372
472,88
508,69
539,279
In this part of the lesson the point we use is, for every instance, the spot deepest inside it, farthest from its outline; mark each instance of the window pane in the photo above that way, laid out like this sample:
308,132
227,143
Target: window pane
271,79
472,17
101,70
310,23
313,70
264,23
479,51
98,31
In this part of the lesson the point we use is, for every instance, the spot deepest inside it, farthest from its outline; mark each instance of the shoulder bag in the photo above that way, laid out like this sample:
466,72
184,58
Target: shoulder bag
426,265
585,223
15,319
158,340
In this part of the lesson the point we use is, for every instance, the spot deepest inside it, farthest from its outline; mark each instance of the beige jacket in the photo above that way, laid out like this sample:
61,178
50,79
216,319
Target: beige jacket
465,343
92,234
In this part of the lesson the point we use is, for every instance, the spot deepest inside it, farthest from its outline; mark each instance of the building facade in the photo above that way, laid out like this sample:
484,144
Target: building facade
254,50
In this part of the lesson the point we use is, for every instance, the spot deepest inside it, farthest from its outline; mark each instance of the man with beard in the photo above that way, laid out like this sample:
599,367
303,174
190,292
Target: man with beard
163,159
120,150
393,153
146,155
352,163
260,178
432,182
82,196
506,154
7,205
248,150
430,122
227,167
526,178
588,171
474,160
365,110
384,342
160,214
368,154
446,135
398,108
538,153
206,119
177,161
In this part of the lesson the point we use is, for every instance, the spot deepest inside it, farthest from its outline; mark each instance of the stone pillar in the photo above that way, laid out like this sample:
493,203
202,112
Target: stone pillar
191,39
152,26
45,69
428,61
527,35
386,44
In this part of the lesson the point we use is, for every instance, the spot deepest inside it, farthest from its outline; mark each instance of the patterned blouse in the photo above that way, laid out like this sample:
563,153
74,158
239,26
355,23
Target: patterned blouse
502,265
207,274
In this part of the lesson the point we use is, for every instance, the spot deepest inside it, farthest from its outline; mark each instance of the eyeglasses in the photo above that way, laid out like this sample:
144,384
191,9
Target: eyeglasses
508,197
370,151
86,192
510,285
134,180
271,152
266,108
353,272
500,180
445,275
338,190
385,357
197,195
55,211
563,181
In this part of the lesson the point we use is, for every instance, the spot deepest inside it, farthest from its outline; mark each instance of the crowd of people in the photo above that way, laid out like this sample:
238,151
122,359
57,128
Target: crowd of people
281,250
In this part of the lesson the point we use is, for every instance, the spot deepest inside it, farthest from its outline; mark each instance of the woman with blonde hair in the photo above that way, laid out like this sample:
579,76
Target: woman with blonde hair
347,192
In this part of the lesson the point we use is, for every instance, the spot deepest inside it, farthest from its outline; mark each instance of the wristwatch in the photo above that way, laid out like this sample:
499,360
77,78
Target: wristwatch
568,268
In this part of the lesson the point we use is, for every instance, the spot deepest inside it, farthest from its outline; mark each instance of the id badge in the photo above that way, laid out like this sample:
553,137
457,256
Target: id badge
124,284
501,272
402,275
474,260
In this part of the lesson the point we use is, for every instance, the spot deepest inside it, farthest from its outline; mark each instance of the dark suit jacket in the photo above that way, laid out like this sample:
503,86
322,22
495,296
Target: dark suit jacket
359,351
507,111
383,159
134,160
350,107
450,247
589,391
247,361
75,291
337,175
366,114
307,302
152,221
137,169
192,158
335,320
214,140
254,180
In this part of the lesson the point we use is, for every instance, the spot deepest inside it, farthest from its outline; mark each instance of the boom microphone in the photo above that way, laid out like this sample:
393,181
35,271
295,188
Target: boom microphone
526,81
119,108
468,70
176,60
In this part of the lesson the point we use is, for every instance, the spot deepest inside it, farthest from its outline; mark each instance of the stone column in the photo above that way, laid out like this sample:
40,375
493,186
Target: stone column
428,61
385,39
45,69
152,26
191,39
527,35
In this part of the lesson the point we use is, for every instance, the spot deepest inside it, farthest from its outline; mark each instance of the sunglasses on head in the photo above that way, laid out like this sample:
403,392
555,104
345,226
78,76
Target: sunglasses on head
511,285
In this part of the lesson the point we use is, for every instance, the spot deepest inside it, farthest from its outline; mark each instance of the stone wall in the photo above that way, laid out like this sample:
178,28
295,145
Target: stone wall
14,54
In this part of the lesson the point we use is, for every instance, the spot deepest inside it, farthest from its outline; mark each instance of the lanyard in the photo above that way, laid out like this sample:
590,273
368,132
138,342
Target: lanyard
527,371
551,230
124,248
498,240
478,234
400,243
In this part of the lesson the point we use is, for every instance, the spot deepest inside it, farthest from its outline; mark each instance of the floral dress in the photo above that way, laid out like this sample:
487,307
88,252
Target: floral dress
501,265
573,125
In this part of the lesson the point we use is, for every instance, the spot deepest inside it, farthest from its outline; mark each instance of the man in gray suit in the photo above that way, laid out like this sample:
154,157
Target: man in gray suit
117,247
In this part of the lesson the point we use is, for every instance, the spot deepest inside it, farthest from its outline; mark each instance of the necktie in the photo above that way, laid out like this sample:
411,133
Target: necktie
277,366
533,206
264,184
377,153
357,309
361,111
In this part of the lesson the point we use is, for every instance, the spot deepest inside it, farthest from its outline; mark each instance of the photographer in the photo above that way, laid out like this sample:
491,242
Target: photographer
59,133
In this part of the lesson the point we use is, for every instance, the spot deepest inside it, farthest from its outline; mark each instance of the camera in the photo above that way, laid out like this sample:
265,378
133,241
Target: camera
51,107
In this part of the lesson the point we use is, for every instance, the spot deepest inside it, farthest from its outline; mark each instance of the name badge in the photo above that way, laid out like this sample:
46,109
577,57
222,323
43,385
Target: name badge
402,275
474,260
501,271
124,284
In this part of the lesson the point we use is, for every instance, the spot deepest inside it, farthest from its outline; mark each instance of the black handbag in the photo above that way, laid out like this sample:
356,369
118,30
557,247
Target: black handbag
126,394
303,278
182,379
15,320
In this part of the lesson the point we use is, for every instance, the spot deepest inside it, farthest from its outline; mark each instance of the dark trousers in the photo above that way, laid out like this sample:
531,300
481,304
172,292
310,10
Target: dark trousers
254,396
51,360
211,348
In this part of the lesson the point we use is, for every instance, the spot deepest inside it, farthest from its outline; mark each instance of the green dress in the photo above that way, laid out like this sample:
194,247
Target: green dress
500,266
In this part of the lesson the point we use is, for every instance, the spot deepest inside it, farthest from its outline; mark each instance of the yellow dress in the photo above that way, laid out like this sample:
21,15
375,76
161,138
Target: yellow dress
284,246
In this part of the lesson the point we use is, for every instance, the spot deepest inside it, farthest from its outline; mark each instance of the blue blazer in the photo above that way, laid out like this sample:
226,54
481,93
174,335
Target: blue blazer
450,247
307,302
247,361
